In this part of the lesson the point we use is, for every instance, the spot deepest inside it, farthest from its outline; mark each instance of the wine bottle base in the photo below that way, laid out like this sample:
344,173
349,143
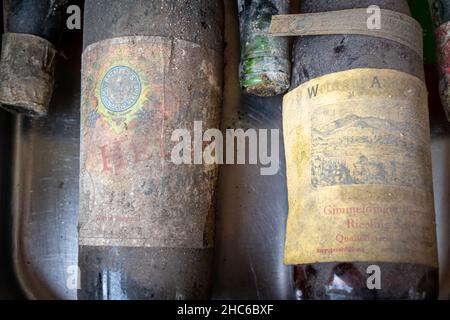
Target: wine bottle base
123,273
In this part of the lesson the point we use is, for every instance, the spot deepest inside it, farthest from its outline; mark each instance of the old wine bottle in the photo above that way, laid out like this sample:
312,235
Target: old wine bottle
361,215
441,19
33,29
265,68
146,225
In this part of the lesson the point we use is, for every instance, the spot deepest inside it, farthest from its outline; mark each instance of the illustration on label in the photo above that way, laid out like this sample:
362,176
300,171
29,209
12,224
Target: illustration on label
346,151
120,89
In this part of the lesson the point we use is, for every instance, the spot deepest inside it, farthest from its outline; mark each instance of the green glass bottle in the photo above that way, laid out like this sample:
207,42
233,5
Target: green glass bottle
265,65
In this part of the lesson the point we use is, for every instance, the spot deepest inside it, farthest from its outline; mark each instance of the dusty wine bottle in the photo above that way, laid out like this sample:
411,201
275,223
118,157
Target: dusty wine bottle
29,54
356,129
265,67
146,224
441,18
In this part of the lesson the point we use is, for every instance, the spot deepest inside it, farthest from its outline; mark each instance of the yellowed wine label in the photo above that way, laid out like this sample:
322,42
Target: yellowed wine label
359,169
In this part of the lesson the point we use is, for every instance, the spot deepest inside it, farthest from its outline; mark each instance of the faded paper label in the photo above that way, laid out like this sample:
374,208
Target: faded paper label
136,92
396,26
359,169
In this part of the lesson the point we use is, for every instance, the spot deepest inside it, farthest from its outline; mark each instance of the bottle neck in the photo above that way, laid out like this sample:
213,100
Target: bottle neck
44,19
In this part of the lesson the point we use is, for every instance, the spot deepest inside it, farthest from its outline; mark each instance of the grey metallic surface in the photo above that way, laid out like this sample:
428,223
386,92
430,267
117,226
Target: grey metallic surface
45,188
45,204
9,288
441,176
251,209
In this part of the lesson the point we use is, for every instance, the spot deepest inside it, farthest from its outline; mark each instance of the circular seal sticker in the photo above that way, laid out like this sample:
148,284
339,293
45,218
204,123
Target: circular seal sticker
120,89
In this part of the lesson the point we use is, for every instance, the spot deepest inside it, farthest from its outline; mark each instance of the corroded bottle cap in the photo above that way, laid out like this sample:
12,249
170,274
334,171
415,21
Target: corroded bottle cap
27,74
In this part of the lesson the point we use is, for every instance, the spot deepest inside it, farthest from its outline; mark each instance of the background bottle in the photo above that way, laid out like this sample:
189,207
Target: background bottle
318,56
265,66
8,288
441,18
29,54
146,224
